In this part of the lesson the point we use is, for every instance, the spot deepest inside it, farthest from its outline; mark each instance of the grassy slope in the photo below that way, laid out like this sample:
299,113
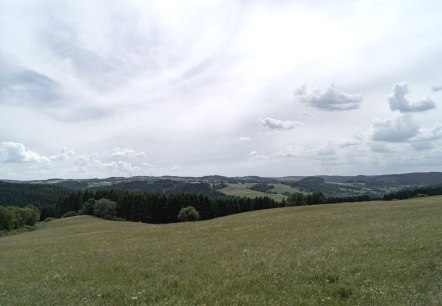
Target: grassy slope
367,253
280,188
241,190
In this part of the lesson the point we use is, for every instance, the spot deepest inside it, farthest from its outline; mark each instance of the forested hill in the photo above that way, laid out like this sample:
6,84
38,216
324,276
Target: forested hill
20,194
390,180
165,186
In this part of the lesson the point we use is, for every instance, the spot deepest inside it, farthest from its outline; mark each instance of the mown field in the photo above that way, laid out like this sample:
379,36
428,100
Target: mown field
377,253
242,190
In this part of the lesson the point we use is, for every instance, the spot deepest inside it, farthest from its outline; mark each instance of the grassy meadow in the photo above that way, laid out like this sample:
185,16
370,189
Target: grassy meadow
377,253
242,190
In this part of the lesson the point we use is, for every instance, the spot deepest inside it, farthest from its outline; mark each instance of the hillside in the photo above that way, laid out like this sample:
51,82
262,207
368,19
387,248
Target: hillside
20,194
375,185
366,253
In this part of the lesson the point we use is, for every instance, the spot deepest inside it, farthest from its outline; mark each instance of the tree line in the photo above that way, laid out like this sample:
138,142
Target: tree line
413,193
22,194
160,207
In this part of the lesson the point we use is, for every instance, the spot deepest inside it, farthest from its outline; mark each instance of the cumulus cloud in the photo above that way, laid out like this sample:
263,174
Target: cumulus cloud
64,154
398,129
436,88
428,134
276,124
399,102
127,153
355,140
91,163
14,152
329,99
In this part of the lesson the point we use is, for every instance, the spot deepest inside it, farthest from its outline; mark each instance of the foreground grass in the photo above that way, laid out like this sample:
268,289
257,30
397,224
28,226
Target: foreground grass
366,253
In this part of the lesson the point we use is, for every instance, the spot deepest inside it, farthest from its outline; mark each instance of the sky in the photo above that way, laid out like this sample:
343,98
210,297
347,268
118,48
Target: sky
190,88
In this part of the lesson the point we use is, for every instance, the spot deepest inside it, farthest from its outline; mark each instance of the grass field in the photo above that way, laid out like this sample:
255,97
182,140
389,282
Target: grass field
281,188
387,253
241,190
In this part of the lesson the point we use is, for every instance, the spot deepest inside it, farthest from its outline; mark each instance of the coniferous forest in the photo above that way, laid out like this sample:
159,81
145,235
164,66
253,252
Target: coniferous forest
163,208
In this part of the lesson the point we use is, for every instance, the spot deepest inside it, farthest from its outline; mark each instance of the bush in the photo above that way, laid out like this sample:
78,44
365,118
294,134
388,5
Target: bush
105,208
12,217
296,199
88,207
48,219
69,214
188,213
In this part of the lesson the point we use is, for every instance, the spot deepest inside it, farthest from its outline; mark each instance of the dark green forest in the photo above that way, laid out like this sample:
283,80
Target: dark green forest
39,195
161,207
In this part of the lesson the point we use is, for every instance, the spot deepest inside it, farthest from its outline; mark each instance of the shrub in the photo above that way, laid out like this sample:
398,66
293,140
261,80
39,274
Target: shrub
48,219
188,213
69,214
296,199
88,207
32,216
105,208
12,217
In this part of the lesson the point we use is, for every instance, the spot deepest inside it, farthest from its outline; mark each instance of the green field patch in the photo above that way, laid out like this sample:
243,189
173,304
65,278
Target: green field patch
283,188
375,253
242,190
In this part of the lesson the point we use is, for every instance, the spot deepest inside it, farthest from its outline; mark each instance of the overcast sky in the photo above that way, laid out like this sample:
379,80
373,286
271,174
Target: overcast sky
271,88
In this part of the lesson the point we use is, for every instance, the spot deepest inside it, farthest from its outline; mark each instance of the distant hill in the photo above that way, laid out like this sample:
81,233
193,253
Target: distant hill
22,194
46,192
167,186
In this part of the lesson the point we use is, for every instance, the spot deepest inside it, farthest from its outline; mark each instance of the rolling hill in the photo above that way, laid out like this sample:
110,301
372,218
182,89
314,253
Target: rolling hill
372,253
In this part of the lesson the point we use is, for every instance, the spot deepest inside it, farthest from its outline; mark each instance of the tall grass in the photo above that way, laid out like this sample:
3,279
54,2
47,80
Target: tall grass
365,253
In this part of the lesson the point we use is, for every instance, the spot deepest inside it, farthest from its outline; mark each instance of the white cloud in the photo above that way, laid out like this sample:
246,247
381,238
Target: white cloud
14,152
64,154
127,153
91,164
276,124
399,102
154,76
329,99
399,129
429,134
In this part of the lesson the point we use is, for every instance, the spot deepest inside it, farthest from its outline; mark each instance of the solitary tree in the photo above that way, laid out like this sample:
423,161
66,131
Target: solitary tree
188,213
105,208
296,199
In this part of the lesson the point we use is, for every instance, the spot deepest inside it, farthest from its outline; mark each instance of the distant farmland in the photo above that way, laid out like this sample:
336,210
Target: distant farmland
242,190
376,253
